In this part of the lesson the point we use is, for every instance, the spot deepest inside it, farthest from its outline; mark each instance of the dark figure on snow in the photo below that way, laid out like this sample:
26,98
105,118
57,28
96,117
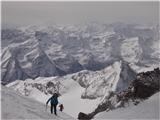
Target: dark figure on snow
54,102
61,107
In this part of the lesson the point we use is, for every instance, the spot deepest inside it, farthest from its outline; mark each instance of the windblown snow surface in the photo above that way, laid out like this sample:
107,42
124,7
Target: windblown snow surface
16,106
148,109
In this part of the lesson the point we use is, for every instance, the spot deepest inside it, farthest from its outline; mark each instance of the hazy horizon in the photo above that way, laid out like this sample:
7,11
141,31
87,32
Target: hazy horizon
33,13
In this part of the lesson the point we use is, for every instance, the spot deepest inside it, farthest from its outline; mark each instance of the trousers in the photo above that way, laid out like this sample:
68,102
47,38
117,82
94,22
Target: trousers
55,108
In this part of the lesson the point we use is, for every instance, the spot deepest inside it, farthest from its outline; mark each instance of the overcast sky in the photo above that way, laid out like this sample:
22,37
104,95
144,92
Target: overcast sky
30,13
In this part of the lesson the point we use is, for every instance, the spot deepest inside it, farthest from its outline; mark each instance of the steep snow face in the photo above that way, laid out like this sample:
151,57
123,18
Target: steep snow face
73,103
78,90
58,50
16,106
116,77
148,109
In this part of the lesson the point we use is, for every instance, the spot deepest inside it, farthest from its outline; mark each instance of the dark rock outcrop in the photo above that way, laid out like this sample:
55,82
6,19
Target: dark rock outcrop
146,84
83,116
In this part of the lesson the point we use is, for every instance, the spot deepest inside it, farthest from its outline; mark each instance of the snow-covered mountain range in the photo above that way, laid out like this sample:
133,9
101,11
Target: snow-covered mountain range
34,51
84,63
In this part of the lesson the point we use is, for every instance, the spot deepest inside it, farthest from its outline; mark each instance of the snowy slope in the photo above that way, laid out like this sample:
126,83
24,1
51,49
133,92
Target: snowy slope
73,102
78,90
148,109
70,90
16,106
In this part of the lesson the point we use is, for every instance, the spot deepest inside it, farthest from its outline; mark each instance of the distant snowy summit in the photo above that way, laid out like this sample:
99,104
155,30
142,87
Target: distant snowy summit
35,51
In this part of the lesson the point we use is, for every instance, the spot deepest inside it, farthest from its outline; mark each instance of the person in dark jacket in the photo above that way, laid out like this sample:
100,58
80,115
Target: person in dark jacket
54,102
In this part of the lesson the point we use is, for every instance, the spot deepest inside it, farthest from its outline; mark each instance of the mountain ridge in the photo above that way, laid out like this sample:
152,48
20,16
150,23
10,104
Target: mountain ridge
71,49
